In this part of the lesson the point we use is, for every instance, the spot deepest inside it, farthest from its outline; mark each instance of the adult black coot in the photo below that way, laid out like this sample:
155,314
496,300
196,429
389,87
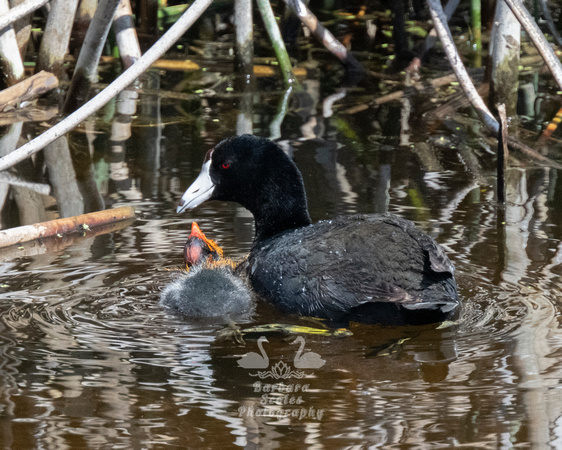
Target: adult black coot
368,268
209,289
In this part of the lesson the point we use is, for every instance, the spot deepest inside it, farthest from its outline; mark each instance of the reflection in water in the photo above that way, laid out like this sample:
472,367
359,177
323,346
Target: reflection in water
88,357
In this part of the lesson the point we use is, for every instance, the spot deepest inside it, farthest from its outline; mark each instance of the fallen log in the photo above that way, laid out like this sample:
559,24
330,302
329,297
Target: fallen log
53,244
28,89
28,115
58,227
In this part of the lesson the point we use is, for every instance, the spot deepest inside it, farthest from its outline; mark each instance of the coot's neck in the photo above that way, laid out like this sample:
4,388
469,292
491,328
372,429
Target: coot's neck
270,220
279,206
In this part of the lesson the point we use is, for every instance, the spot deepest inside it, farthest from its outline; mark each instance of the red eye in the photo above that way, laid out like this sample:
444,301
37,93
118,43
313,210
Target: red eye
225,165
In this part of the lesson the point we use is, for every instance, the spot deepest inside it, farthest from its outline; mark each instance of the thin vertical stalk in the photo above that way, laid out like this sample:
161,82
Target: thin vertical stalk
148,17
243,21
502,154
10,58
62,176
84,14
85,72
8,143
126,35
505,43
56,37
277,42
275,124
476,19
538,38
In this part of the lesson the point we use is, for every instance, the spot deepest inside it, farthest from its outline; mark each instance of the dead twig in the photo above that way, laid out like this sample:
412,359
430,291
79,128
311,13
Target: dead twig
85,72
324,36
550,21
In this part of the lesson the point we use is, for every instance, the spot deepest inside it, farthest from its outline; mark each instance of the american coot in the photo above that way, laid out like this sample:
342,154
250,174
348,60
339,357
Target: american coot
368,268
209,289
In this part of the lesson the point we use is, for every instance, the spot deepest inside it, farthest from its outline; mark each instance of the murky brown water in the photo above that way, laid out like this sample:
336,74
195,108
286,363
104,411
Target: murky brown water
90,359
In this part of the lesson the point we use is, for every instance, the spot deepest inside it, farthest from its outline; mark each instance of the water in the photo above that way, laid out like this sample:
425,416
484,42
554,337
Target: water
90,359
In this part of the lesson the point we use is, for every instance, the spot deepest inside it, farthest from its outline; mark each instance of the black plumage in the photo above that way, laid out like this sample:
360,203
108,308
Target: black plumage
377,268
369,268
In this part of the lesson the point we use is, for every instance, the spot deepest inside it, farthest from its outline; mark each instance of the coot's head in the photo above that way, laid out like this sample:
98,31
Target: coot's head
256,173
199,250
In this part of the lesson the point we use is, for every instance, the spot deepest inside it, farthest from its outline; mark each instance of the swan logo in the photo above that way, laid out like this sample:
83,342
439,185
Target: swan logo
279,399
281,370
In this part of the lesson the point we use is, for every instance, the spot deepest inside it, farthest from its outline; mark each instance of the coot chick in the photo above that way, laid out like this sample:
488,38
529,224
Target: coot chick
368,268
199,250
209,289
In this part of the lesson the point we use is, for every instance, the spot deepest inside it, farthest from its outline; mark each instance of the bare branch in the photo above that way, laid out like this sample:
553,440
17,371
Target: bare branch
20,11
440,24
324,36
538,38
120,83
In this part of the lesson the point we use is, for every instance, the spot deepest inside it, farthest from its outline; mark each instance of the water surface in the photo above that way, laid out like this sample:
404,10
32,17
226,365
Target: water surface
90,359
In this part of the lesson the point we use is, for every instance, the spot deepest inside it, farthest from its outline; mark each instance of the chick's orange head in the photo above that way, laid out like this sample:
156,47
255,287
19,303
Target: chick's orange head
196,231
198,249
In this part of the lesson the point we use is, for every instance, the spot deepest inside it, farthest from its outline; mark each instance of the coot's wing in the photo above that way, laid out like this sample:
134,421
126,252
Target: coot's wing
332,267
439,261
